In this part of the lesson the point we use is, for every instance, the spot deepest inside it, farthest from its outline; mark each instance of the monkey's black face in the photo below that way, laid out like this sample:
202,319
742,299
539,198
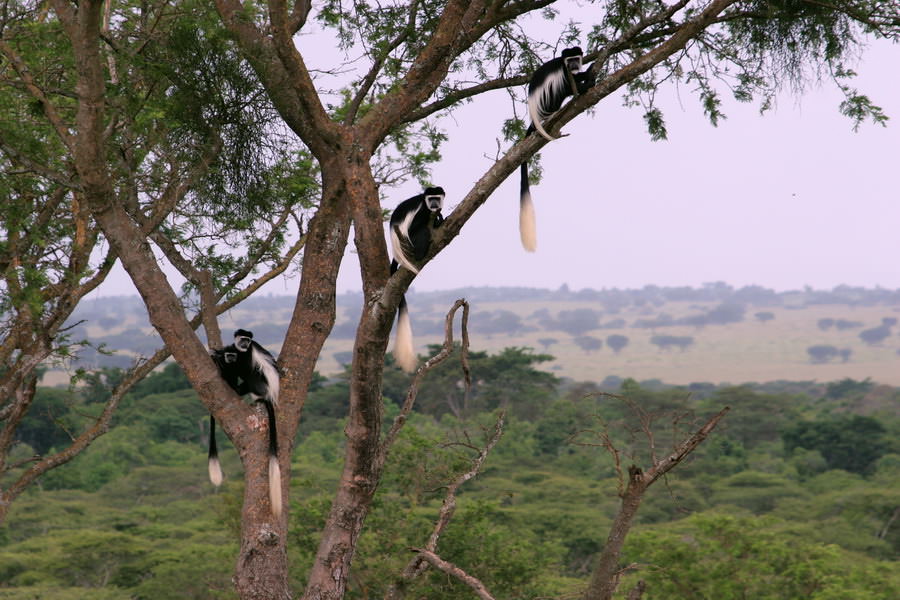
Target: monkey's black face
434,203
242,343
573,64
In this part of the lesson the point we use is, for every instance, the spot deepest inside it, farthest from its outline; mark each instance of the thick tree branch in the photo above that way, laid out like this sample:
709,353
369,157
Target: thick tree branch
283,73
427,71
378,62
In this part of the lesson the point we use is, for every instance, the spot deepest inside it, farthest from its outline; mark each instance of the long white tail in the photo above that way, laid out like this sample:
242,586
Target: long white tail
275,485
527,220
403,343
212,463
215,471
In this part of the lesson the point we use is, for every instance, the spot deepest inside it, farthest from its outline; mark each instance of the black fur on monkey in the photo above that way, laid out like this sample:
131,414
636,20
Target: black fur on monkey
225,360
411,225
550,85
251,369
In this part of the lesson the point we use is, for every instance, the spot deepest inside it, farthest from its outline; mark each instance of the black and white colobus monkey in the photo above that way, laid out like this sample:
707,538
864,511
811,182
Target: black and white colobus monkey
258,371
225,359
411,225
250,369
550,85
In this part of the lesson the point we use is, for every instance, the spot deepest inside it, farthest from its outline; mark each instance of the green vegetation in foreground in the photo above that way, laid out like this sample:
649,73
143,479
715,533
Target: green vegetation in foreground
795,497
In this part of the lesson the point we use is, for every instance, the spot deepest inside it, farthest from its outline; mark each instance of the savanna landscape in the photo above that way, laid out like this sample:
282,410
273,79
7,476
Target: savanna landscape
661,443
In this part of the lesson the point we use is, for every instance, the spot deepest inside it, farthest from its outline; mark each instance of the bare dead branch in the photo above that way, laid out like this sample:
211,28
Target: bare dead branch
416,566
605,576
453,570
432,362
665,465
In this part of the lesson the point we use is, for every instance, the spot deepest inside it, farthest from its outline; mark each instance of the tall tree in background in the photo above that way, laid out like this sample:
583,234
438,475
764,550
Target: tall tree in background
408,63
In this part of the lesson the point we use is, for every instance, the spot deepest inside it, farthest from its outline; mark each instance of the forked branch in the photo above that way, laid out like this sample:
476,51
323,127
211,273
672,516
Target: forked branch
445,352
606,574
427,555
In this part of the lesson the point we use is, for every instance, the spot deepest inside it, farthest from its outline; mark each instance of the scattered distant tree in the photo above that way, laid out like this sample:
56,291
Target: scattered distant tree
764,316
698,321
616,342
843,324
496,322
588,343
662,320
821,353
845,354
889,321
875,335
542,316
725,313
682,342
825,324
547,342
578,321
614,324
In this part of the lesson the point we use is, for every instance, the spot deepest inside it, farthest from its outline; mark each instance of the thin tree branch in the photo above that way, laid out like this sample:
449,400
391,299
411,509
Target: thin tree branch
417,565
441,356
372,75
451,569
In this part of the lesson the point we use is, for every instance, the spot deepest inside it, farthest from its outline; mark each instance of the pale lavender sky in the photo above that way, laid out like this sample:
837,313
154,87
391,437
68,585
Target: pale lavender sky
784,200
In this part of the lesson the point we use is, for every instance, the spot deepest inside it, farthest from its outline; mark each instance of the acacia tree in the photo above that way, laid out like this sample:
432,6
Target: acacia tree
169,144
414,62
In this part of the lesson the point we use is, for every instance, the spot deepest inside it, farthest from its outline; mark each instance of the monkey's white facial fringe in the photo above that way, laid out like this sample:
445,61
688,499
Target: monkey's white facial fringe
215,472
527,224
403,343
275,485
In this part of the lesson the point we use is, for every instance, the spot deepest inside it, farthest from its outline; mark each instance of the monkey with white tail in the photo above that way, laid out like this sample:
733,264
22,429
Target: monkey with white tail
411,225
551,84
250,369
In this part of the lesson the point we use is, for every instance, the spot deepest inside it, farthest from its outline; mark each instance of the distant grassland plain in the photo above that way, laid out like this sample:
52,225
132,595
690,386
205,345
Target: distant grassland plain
742,352
735,353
